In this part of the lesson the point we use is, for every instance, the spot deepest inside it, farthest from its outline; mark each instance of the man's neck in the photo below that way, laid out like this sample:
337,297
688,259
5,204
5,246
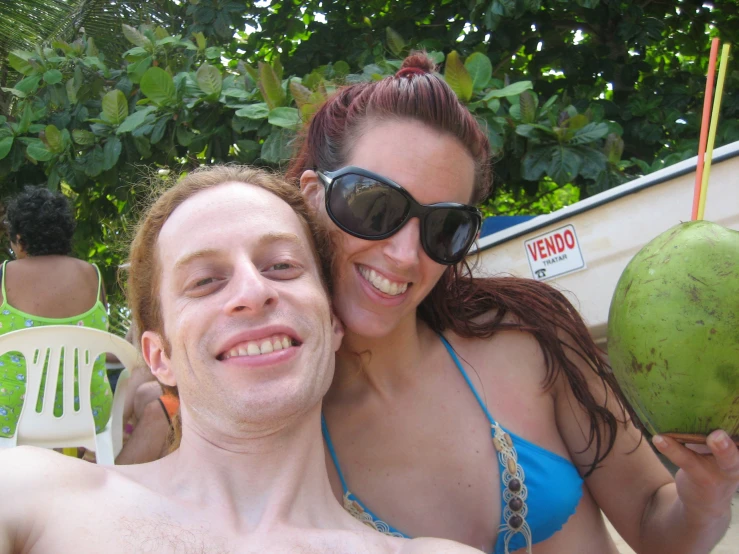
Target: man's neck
262,481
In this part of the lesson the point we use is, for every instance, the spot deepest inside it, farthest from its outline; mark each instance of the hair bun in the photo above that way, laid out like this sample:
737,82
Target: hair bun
417,63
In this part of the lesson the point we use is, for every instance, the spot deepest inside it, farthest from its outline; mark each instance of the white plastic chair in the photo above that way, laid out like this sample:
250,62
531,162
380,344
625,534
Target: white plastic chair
73,427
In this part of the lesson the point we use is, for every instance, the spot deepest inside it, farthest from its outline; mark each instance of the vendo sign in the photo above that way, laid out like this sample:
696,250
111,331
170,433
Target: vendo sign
554,253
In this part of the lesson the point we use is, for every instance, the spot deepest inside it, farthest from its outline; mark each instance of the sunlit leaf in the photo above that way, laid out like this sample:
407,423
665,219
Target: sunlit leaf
457,76
158,86
271,87
135,37
115,107
54,139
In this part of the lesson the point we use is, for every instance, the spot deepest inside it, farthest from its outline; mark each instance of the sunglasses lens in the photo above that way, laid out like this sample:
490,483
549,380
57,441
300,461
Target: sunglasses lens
448,233
367,207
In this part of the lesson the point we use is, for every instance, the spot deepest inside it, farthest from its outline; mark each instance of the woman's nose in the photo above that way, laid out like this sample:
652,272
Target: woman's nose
403,248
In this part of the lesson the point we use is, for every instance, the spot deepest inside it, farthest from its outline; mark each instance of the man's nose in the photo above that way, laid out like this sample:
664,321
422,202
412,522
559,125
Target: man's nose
403,248
251,291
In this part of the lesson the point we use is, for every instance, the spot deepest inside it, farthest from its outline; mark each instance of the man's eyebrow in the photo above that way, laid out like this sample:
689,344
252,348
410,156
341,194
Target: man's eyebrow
204,253
263,240
269,238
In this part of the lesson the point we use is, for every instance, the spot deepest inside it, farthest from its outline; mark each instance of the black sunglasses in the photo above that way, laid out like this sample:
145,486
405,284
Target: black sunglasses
371,207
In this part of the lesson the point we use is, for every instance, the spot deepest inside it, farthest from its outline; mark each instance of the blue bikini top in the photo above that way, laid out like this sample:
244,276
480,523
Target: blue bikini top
534,505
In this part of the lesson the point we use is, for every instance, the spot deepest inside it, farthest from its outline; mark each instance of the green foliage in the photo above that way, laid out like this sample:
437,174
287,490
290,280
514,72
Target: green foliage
575,97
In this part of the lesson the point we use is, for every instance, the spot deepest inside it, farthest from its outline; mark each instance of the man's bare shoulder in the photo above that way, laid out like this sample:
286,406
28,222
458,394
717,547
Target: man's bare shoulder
35,472
436,546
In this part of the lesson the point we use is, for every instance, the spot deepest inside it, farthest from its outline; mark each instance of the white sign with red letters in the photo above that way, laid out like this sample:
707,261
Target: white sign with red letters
554,253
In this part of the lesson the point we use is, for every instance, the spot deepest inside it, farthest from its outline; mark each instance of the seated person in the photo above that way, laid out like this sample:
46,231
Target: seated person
148,414
44,285
231,298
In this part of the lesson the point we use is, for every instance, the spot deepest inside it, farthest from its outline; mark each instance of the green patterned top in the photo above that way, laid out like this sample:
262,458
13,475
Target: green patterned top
13,365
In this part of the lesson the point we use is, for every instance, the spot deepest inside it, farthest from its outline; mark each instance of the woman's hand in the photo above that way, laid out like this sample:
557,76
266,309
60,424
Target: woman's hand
705,482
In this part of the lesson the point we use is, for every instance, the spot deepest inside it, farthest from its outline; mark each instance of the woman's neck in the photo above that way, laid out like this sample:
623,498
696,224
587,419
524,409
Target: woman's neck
385,365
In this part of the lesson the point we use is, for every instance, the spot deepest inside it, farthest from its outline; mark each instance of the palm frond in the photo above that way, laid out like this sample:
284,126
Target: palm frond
27,23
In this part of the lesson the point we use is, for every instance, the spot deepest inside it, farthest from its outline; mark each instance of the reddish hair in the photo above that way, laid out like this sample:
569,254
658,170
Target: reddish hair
459,299
414,93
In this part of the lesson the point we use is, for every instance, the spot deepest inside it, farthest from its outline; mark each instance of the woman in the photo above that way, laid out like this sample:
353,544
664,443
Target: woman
434,361
45,286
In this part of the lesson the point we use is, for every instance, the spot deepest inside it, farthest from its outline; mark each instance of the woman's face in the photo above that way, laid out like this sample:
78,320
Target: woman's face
379,284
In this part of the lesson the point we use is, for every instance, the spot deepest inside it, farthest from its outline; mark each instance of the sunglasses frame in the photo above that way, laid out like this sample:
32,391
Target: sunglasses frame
328,178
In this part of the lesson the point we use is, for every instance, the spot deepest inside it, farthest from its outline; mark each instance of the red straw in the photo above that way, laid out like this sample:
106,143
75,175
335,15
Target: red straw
704,126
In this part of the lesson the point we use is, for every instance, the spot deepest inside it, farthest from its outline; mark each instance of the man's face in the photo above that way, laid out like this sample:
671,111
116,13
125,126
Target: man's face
248,321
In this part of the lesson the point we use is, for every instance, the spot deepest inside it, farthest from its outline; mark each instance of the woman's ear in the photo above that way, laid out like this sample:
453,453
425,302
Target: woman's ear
312,188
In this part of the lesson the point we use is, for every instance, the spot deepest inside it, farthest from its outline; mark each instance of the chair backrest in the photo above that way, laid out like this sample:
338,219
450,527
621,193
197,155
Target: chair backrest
61,345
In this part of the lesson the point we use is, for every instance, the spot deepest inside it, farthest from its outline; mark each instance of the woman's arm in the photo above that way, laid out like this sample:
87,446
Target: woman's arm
653,512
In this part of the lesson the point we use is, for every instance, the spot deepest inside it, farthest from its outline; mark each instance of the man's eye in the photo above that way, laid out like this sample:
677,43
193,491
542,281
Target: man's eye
282,266
204,281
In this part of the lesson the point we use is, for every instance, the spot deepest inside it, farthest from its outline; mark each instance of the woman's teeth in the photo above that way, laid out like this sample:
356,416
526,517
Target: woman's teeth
263,346
381,283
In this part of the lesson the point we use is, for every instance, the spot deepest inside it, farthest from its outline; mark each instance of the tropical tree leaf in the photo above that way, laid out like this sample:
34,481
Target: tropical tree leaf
457,77
5,145
395,42
136,70
300,93
53,76
134,120
254,111
37,151
29,85
54,139
94,162
480,69
83,137
564,165
115,107
111,152
209,80
284,117
135,37
158,86
276,147
535,163
271,87
19,60
513,89
589,133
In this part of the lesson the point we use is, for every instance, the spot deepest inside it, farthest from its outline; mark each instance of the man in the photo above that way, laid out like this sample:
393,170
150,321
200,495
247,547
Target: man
229,292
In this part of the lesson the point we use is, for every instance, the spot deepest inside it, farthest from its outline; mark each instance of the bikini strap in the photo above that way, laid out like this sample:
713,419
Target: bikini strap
453,354
100,280
330,445
2,278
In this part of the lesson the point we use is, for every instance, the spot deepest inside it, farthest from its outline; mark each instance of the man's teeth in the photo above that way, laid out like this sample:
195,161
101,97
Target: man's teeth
381,283
255,348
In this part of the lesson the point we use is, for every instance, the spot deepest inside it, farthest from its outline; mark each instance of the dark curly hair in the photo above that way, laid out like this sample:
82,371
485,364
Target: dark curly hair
42,221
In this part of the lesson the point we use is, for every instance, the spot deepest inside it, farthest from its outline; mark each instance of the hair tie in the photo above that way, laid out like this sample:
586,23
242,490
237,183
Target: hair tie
409,72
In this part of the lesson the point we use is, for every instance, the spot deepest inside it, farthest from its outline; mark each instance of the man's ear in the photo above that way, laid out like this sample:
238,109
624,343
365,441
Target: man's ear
312,189
155,355
337,334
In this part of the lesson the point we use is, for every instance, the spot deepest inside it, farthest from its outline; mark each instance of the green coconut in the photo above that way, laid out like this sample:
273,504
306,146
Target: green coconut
673,331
